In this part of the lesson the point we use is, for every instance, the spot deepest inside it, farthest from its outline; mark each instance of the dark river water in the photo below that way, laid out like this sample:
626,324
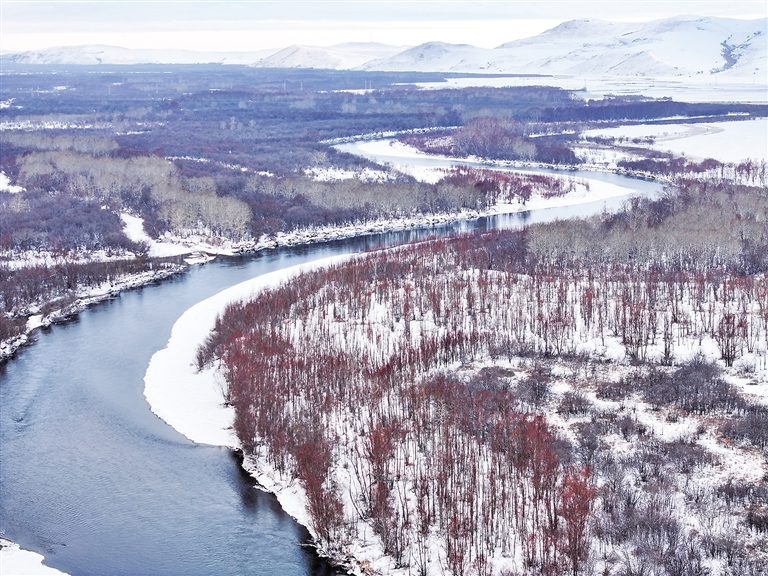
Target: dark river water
94,481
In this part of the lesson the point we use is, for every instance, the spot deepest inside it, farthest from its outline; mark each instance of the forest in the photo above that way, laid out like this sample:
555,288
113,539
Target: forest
225,151
572,398
233,154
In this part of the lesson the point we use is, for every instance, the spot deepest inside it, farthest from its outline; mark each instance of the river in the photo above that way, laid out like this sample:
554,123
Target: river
94,481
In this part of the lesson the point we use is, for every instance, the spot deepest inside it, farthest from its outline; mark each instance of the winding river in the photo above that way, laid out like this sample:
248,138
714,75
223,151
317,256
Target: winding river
94,481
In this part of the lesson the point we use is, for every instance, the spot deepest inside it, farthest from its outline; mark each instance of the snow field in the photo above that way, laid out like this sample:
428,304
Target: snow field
589,87
410,160
724,141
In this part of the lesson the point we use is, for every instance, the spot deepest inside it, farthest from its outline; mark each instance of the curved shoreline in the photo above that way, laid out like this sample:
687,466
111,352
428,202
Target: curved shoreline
191,402
178,394
201,415
16,561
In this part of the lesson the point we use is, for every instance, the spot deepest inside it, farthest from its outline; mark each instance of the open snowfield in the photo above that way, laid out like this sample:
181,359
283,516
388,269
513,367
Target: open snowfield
134,229
17,562
724,141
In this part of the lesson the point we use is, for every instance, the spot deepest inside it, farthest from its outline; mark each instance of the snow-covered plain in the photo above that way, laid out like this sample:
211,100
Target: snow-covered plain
175,245
724,141
330,174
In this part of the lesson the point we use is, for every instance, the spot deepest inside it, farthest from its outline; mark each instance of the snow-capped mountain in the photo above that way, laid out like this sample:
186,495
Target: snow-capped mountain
669,47
340,57
677,46
680,46
99,54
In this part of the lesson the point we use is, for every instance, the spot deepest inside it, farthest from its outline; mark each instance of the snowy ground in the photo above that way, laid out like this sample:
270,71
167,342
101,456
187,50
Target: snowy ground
6,186
192,403
724,141
17,562
330,174
173,245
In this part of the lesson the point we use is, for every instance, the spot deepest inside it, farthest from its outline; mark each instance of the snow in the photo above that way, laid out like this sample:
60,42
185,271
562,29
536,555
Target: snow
94,54
52,125
174,245
192,404
6,186
725,141
673,47
332,173
590,86
339,57
191,401
17,562
688,47
405,158
134,228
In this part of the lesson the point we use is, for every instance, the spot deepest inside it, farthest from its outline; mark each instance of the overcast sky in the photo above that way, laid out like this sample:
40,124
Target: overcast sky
250,25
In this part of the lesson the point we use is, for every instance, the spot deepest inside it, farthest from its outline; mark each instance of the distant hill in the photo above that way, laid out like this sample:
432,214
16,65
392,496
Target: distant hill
339,57
680,46
94,54
669,47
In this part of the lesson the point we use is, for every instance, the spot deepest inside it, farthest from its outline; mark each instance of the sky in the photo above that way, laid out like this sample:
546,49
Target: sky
253,25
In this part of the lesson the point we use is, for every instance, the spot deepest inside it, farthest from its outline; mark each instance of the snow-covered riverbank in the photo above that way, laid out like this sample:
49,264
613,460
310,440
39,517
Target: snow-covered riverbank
83,298
17,562
192,402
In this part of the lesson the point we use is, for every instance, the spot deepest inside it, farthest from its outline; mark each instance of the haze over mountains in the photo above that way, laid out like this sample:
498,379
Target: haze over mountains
680,46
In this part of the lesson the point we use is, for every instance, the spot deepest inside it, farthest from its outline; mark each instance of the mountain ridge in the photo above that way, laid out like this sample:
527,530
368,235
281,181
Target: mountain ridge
678,46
